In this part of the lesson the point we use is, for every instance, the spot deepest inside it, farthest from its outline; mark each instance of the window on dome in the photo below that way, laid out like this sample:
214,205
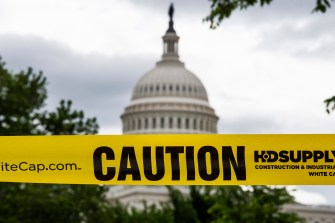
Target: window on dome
184,88
187,123
157,88
195,90
201,125
151,88
164,87
145,89
170,46
171,87
162,123
133,124
139,124
170,123
194,124
146,123
153,123
179,123
190,89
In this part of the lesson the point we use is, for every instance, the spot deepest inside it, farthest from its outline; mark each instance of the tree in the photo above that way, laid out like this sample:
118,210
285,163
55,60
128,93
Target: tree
256,204
152,214
39,203
183,211
201,203
233,204
330,104
63,121
22,98
23,95
222,9
149,214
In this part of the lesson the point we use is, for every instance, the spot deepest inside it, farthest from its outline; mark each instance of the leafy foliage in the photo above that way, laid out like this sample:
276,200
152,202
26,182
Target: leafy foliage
39,203
322,5
330,104
233,204
149,214
260,204
23,95
152,214
222,9
183,210
63,121
201,202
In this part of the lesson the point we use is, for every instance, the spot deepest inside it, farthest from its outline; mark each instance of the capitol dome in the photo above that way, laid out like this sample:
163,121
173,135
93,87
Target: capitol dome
169,98
169,80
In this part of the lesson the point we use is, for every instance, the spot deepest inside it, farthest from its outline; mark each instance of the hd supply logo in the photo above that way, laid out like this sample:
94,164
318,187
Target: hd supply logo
311,163
284,156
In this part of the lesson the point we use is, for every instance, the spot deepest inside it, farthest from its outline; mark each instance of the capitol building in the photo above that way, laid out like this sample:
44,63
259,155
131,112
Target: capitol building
171,99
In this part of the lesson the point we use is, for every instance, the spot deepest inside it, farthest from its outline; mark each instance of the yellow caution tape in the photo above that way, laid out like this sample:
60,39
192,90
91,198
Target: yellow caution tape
169,159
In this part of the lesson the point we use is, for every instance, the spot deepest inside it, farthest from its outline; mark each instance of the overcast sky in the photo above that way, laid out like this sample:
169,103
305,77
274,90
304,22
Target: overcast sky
266,70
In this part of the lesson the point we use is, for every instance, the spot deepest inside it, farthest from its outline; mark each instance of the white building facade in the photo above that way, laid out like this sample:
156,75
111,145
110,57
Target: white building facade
313,213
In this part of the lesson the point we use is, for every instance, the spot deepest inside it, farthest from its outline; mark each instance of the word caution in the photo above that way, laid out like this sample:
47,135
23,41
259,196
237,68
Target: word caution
207,169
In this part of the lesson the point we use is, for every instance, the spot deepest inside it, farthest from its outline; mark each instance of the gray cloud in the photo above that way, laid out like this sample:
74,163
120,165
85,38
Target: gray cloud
278,11
326,191
278,8
182,7
313,37
100,85
248,124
